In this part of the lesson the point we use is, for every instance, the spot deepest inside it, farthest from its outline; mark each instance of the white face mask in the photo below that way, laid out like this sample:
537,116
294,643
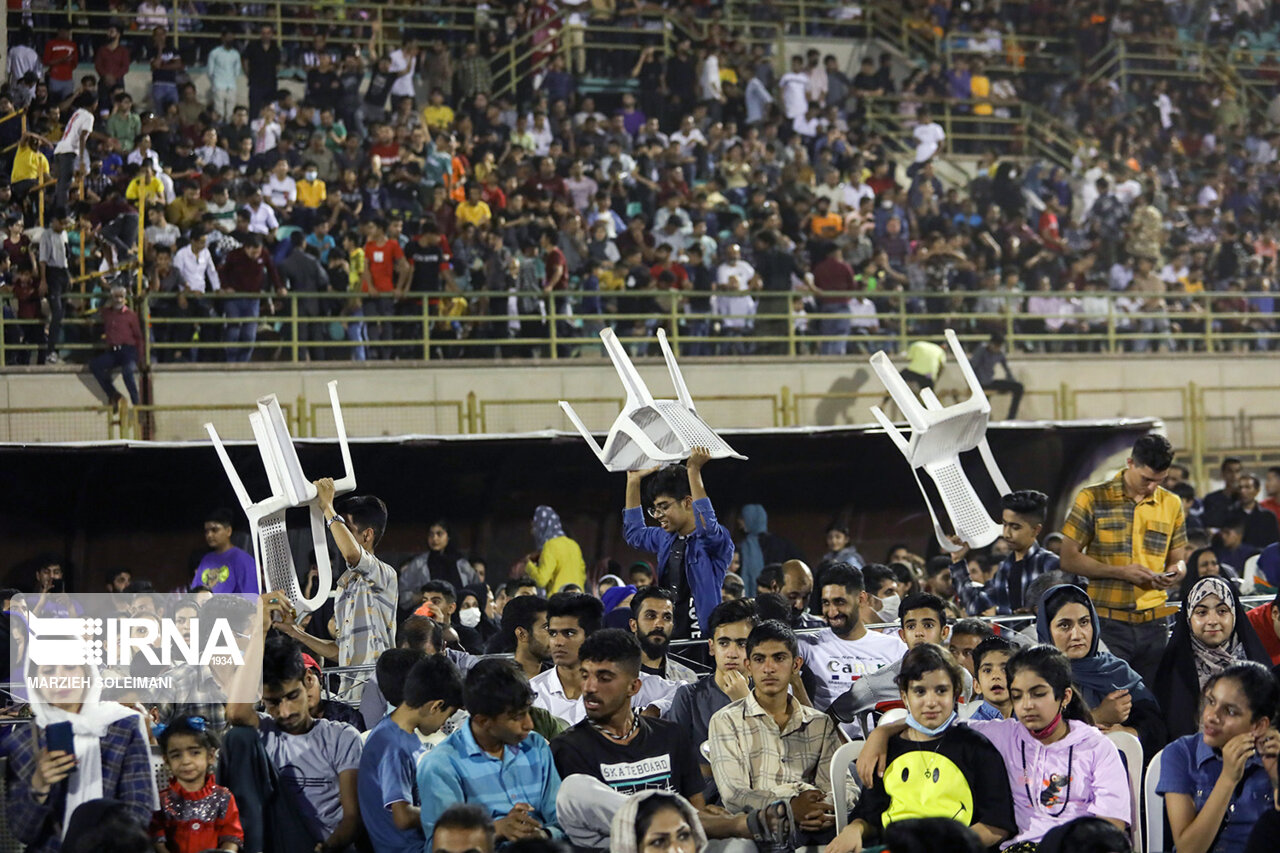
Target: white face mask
311,176
470,616
888,611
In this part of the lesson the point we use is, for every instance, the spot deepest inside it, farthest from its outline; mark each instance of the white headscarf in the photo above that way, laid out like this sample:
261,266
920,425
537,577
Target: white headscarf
90,727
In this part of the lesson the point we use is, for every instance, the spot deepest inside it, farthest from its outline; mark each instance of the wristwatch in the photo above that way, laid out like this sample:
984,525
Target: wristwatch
329,521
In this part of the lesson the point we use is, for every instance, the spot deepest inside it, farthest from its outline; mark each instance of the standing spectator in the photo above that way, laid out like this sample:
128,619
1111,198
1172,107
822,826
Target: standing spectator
224,66
55,279
793,86
305,277
833,283
166,64
70,156
735,281
61,56
475,76
558,560
404,65
247,270
225,568
111,61
387,274
1132,557
123,337
261,64
23,60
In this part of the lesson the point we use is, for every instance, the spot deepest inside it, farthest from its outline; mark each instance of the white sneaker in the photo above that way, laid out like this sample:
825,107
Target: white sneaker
51,358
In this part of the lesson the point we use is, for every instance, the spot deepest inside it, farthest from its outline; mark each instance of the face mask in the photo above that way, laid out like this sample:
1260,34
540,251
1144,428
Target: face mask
925,730
888,611
469,616
311,176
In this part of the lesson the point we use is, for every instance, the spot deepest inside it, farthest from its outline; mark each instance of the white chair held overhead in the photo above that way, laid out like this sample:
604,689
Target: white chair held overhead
1131,748
939,434
290,489
650,432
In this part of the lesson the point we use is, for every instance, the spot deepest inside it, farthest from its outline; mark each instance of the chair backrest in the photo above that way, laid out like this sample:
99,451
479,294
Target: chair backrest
1154,806
1131,750
841,763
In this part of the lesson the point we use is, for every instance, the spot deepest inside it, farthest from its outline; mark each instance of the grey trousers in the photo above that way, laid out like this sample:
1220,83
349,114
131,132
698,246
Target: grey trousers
585,808
1140,644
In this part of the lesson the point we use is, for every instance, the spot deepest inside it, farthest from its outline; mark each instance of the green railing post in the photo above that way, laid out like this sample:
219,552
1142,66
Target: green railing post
551,323
902,318
1111,323
791,328
293,321
3,334
675,324
426,329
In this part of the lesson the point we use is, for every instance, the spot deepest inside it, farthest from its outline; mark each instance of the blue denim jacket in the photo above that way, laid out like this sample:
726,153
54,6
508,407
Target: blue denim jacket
706,560
1190,766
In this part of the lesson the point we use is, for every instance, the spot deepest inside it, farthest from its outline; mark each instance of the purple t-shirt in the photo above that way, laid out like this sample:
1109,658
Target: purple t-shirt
232,570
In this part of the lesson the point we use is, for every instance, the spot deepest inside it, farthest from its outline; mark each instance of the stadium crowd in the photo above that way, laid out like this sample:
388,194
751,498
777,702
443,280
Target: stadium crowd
696,701
745,201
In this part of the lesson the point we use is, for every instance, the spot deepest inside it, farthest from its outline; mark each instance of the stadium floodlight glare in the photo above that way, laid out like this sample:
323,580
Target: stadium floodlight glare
290,489
650,432
939,434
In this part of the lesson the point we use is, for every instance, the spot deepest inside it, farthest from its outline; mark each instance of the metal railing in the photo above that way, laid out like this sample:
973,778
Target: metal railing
561,326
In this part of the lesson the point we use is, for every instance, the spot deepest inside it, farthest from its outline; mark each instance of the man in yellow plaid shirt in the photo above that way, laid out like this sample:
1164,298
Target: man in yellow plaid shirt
1127,535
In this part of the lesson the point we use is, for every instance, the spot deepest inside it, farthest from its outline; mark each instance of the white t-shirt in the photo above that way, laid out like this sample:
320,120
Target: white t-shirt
403,67
837,663
794,99
81,122
549,695
928,138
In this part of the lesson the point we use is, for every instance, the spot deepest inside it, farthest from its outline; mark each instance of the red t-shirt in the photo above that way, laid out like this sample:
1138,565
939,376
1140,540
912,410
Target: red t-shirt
1260,619
556,262
57,50
381,259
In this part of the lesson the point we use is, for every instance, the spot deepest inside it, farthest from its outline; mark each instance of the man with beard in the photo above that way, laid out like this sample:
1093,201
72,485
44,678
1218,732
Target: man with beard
797,588
652,621
614,752
317,760
524,624
838,656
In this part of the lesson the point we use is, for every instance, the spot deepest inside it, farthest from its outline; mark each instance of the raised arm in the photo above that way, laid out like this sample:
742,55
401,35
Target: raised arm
342,536
698,457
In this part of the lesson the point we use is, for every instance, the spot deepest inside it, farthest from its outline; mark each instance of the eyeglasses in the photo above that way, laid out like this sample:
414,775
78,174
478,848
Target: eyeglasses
659,510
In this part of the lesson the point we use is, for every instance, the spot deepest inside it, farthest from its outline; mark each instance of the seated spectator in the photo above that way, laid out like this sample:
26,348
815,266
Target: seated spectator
1210,632
652,621
496,760
1218,783
972,785
1073,770
840,549
1114,693
989,660
317,761
768,746
195,814
110,760
424,697
797,588
463,828
657,820
1229,545
965,637
1265,619
420,635
1261,526
571,619
923,617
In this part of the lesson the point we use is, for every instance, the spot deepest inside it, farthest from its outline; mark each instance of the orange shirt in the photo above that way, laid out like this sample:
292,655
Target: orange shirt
827,227
381,258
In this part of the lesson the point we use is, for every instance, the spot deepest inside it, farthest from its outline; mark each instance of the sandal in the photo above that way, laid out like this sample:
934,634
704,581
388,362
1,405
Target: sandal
773,827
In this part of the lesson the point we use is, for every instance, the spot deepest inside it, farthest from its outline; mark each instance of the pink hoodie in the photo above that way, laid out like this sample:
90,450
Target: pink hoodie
1080,775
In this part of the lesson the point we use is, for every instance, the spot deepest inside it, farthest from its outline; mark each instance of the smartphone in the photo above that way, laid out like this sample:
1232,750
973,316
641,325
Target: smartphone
60,738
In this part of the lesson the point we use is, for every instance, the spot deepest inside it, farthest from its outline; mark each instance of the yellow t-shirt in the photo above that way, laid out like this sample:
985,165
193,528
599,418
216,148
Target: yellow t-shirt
311,193
559,563
926,359
477,214
154,190
437,118
980,90
28,165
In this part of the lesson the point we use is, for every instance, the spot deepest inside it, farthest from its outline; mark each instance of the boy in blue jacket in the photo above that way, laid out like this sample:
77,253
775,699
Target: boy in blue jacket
693,550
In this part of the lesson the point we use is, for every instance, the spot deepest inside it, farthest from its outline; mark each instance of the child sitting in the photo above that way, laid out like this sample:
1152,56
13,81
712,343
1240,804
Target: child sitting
195,814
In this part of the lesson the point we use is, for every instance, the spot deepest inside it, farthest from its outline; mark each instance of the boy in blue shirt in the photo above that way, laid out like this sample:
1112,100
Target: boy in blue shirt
693,550
424,699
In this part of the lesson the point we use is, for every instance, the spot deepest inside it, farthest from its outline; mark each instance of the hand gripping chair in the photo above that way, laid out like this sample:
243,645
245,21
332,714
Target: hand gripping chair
650,432
289,489
939,434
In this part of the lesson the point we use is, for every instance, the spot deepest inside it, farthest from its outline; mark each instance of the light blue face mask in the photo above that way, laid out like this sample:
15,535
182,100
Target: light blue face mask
925,730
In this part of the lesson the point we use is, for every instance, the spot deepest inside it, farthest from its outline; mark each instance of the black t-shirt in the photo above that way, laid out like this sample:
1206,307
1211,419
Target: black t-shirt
426,262
324,89
660,757
959,776
263,64
379,88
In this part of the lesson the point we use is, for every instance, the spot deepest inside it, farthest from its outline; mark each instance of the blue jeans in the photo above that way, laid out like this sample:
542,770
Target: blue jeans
124,357
163,94
242,332
358,330
834,326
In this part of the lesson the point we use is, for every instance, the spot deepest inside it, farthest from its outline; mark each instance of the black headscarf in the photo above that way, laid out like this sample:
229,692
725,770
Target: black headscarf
1177,681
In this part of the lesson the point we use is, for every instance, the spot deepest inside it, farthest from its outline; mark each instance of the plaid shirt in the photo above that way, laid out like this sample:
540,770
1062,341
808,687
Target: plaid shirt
1117,530
205,698
365,610
1037,562
126,776
474,76
755,764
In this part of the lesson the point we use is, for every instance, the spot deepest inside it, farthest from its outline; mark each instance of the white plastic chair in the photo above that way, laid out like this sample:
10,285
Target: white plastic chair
650,432
841,762
1131,748
939,434
1154,805
290,488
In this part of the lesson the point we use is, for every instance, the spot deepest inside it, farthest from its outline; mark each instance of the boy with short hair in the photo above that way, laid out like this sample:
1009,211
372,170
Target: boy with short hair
225,568
989,659
693,550
1023,514
424,698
